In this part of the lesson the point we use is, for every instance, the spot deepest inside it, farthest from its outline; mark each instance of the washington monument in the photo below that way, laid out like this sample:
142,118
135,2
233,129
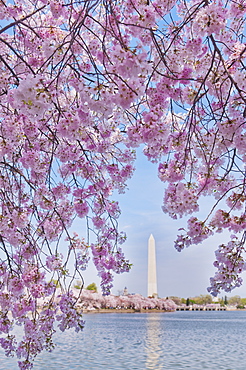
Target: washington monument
152,280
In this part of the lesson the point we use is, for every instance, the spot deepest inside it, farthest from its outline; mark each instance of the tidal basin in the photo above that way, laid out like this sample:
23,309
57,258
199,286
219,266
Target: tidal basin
180,340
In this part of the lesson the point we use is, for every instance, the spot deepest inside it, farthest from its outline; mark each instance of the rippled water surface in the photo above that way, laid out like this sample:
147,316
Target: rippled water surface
172,341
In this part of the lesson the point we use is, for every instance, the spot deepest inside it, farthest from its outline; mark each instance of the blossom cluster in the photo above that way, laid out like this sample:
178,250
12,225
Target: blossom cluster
230,264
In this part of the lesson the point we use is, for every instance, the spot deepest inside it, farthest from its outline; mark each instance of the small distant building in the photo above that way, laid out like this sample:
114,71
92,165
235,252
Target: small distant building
125,292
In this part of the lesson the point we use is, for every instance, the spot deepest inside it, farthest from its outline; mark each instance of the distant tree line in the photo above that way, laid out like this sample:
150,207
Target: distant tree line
207,299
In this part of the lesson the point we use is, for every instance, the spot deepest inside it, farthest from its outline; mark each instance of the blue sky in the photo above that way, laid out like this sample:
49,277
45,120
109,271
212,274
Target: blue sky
184,274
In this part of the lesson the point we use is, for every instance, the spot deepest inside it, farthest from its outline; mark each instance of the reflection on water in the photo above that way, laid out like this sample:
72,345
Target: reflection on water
154,354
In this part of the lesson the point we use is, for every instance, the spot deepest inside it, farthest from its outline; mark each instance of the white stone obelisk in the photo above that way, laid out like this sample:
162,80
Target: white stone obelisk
152,280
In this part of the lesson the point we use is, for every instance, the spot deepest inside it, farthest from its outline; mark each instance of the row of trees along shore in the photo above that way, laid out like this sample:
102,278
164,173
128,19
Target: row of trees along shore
236,300
90,299
83,84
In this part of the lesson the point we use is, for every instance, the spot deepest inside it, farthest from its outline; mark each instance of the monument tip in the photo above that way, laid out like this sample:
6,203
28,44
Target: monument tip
151,237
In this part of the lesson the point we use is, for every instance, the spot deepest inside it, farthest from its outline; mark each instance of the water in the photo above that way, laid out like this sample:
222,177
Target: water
172,341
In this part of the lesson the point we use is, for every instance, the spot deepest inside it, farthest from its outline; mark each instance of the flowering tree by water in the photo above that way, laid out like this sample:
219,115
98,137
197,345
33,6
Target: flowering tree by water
83,83
93,300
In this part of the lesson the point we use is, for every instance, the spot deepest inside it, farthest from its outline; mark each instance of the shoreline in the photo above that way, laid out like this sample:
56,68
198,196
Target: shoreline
122,310
131,310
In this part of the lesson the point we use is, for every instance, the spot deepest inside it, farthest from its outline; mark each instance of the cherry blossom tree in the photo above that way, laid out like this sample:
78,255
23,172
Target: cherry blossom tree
83,83
92,300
